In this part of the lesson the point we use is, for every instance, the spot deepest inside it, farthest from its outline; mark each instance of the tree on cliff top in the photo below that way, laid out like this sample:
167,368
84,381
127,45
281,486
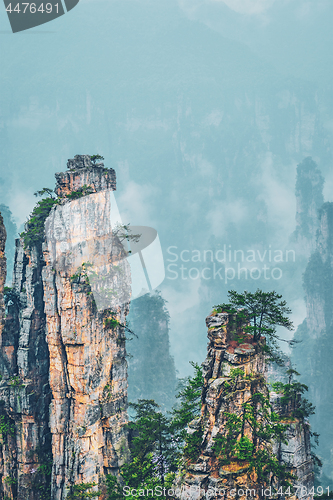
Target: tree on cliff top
264,311
95,158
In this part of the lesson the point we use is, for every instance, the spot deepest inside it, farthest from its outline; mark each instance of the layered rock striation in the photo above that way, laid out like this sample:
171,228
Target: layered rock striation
235,407
24,389
63,358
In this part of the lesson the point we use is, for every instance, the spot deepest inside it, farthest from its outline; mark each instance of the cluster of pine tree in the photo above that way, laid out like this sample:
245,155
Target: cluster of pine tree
158,444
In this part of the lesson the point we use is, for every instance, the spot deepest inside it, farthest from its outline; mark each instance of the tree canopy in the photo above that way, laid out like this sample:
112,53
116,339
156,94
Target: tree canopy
263,311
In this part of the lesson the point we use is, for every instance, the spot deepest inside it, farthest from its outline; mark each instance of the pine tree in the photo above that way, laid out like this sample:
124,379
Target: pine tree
187,411
264,311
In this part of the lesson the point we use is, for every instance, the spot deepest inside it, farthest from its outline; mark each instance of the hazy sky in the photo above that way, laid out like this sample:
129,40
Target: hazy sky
203,107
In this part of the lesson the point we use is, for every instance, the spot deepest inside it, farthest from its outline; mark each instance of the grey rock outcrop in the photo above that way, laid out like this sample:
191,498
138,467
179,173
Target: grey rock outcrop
82,161
83,173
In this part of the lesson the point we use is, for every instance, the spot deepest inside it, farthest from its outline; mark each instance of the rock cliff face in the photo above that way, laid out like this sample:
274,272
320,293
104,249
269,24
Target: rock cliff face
24,390
234,373
64,387
82,172
2,270
313,355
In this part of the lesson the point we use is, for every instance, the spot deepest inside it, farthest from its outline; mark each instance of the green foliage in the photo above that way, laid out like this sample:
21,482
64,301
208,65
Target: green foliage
9,480
256,448
192,447
45,469
95,158
82,271
244,448
83,191
324,496
7,426
152,447
114,489
225,308
225,445
43,191
304,409
187,411
159,445
292,400
107,391
236,373
15,382
34,228
267,466
117,492
111,323
190,402
83,491
291,372
263,311
152,453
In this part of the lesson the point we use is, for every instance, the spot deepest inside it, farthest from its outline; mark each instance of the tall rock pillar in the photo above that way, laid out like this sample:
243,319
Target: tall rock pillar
309,199
63,392
87,289
312,356
235,373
